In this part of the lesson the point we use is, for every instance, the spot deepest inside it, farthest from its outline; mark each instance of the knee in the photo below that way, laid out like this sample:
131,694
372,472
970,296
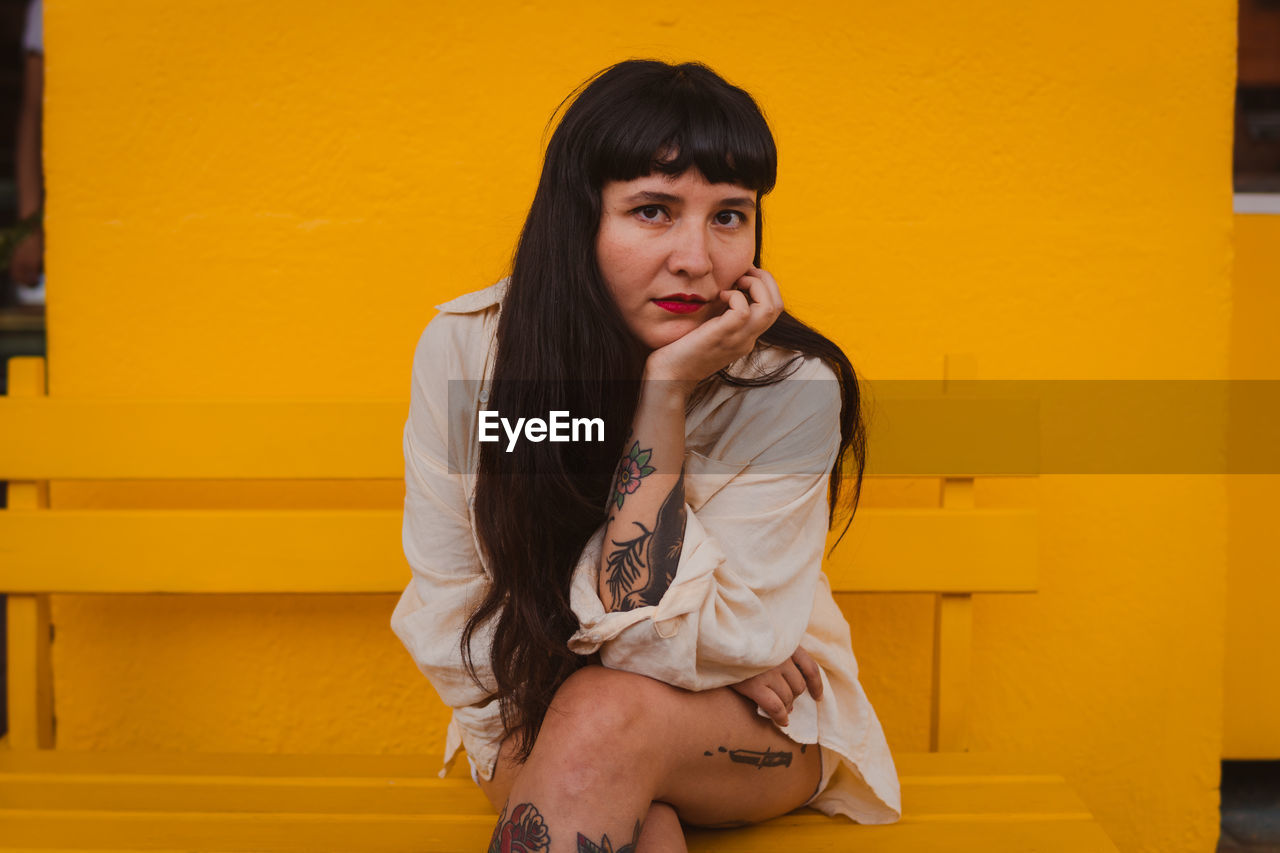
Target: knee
601,714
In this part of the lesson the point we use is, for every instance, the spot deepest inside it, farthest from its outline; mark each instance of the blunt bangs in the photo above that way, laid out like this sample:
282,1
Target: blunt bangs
645,116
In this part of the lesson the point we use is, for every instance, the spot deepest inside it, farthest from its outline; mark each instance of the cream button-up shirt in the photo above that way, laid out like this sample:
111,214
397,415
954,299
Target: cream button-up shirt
748,589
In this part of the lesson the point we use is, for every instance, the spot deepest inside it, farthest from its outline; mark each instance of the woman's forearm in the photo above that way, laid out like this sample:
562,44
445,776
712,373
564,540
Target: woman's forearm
645,531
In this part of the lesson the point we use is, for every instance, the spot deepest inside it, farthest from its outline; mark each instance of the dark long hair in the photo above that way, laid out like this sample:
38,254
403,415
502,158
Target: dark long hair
537,505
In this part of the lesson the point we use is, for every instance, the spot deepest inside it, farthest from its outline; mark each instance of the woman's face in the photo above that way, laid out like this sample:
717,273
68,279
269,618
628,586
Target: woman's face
667,247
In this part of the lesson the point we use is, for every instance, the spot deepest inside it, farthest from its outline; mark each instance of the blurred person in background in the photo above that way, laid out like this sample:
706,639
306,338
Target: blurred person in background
27,264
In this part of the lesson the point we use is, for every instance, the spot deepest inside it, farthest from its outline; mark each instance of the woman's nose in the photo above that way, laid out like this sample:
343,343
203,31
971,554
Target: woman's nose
690,251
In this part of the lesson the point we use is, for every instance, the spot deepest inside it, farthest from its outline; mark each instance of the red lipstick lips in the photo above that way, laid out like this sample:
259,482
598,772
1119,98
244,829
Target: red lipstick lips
680,303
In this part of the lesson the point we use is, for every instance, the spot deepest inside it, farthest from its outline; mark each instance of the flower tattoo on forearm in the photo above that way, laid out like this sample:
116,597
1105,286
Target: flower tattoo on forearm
633,468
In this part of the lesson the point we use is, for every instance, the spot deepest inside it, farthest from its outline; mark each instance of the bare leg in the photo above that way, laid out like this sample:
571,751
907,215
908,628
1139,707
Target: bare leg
660,832
615,743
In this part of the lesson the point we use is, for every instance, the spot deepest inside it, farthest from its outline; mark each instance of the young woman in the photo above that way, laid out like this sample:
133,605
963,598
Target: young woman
631,625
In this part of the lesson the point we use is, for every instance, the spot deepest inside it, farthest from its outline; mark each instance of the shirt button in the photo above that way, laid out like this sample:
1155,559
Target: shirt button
484,395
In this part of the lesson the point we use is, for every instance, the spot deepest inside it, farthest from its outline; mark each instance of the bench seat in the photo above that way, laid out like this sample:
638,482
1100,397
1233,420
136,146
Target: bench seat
57,800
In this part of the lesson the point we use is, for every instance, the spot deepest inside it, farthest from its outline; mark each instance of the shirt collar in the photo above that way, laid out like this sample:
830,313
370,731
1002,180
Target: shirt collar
476,300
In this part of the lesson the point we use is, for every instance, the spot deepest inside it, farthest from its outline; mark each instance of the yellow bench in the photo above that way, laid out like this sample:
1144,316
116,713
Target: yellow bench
57,800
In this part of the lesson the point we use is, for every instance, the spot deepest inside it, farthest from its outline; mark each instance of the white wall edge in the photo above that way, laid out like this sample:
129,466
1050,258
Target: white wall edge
1256,202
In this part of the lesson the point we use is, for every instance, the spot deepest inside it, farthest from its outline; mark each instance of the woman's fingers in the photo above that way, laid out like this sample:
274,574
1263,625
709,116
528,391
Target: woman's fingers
748,319
777,699
735,329
766,697
775,691
795,681
773,705
766,301
781,686
738,304
809,668
765,295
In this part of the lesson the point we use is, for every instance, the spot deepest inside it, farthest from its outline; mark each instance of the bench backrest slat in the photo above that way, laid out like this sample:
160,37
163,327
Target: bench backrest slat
51,438
248,551
55,439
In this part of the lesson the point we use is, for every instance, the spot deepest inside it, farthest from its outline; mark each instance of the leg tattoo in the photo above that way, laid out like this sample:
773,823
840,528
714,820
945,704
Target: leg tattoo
586,845
523,832
526,832
756,758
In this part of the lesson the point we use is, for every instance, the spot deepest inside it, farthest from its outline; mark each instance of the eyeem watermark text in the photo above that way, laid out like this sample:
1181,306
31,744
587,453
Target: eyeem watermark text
558,427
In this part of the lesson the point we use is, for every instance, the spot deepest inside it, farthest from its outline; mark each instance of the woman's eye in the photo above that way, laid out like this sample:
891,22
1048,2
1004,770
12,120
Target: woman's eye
730,218
649,213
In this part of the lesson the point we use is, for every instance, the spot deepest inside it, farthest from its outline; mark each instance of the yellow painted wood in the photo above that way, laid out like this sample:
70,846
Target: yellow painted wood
30,673
247,764
952,637
957,493
913,767
260,784
927,550
466,834
1251,700
932,767
27,378
357,438
958,797
952,649
53,800
959,366
1042,836
203,551
312,802
904,550
135,439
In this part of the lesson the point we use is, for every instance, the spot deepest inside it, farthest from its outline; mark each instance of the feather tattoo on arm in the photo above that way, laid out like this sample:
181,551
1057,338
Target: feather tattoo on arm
639,570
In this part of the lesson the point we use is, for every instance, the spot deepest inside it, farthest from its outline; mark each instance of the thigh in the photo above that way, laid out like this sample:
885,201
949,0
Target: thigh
708,754
729,765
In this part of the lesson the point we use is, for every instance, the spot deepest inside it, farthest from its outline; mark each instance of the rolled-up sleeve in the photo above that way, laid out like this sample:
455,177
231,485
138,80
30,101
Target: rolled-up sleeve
448,578
743,590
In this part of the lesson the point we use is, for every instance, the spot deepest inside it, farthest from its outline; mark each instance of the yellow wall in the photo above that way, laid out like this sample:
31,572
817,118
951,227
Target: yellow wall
266,198
1252,696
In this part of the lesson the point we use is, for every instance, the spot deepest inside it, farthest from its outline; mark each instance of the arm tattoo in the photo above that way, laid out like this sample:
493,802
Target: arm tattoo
640,569
633,468
626,564
523,832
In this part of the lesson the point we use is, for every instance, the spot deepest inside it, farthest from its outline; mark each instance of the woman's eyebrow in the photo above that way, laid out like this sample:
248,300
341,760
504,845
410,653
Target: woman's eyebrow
649,195
668,198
